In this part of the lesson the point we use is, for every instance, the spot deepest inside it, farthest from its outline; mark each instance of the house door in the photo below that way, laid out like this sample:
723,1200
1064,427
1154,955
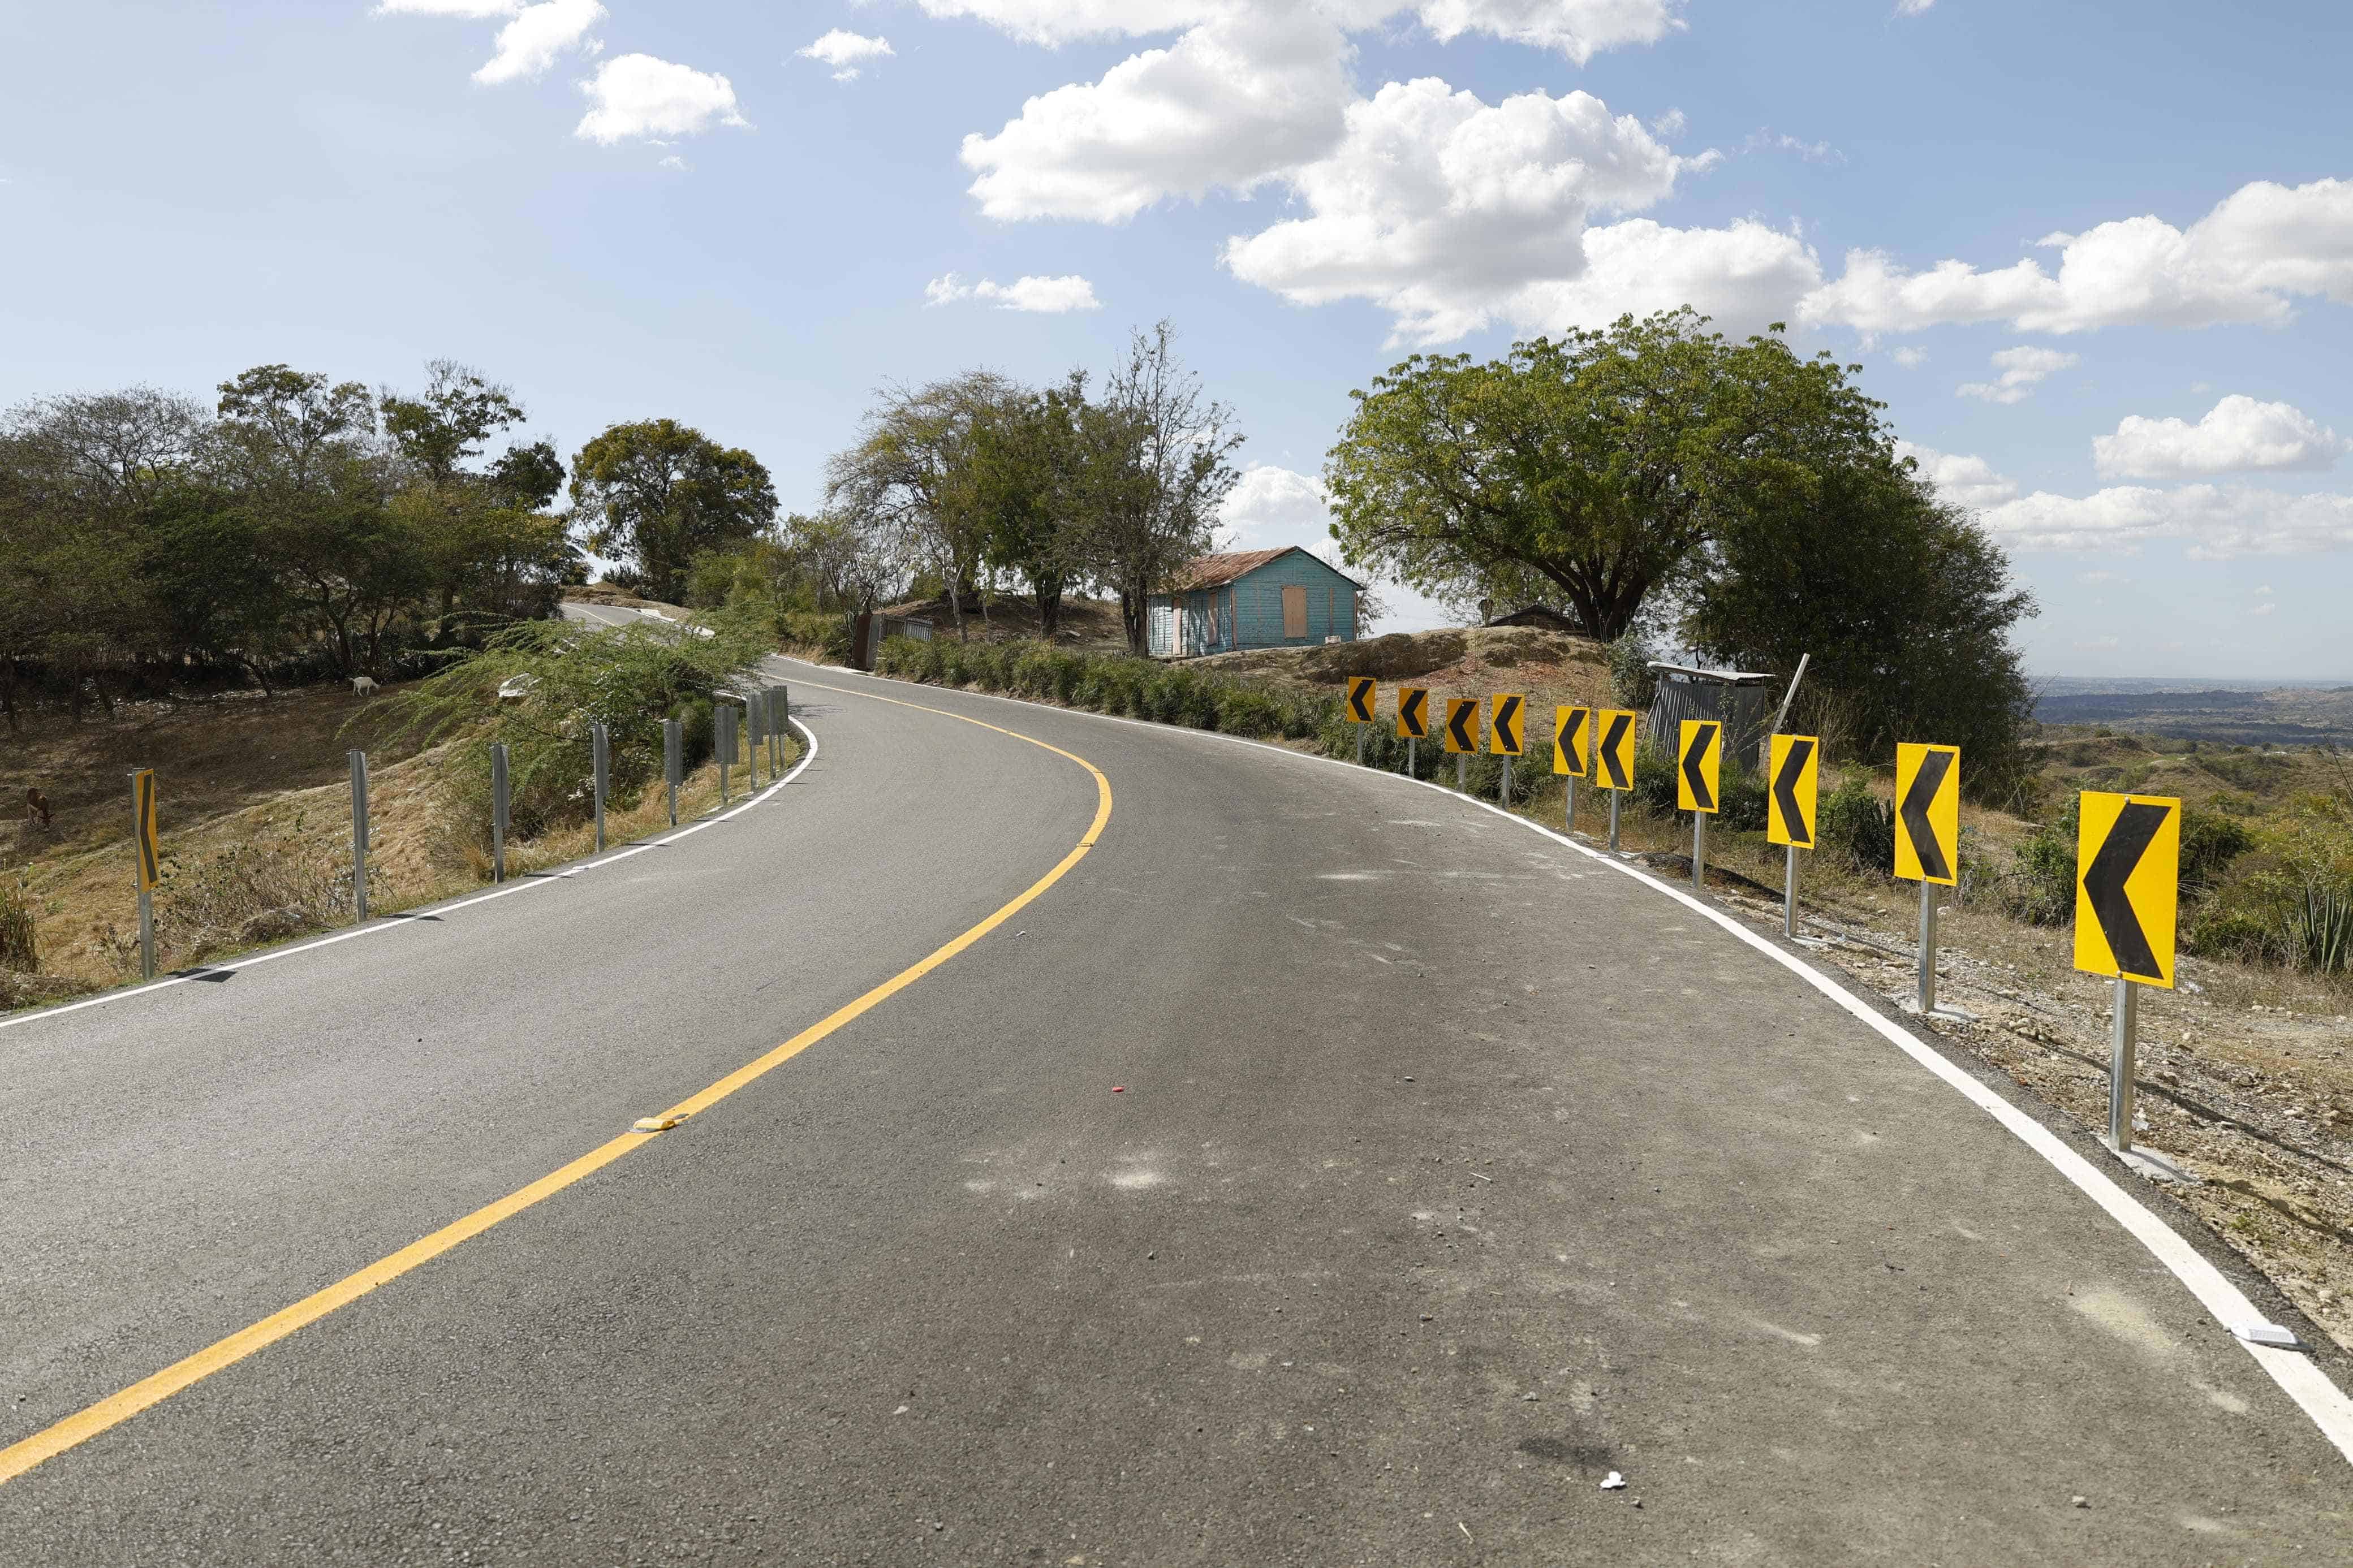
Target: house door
1294,610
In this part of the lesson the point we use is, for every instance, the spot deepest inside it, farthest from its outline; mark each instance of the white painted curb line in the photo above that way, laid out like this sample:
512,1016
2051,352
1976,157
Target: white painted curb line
2330,1409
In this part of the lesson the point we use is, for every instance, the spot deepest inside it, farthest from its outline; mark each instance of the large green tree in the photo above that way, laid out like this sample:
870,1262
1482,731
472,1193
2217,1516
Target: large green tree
1600,463
661,494
1902,601
1023,482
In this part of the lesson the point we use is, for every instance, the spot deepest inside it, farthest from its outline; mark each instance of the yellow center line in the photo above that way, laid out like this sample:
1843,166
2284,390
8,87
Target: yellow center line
117,1408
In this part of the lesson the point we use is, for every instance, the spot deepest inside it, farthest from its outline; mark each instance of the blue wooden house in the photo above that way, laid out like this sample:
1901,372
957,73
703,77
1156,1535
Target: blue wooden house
1252,598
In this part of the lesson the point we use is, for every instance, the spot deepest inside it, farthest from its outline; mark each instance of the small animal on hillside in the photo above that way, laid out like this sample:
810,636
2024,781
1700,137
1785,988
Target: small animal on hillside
363,685
39,804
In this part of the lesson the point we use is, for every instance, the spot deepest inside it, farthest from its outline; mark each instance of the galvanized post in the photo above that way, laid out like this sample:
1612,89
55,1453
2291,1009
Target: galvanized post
1927,948
1462,773
601,746
2122,1045
1569,813
1613,820
1507,784
499,811
359,834
1411,746
1360,745
784,719
1789,896
1699,850
755,729
723,741
673,761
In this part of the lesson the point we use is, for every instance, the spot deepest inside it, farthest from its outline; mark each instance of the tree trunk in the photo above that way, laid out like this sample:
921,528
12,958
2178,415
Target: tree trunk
1050,611
1135,616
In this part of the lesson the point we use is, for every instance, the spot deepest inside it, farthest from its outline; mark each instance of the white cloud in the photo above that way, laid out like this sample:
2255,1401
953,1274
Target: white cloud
842,50
640,96
2260,248
1274,506
1250,91
2215,523
2262,609
1910,358
2023,368
1577,29
2237,434
677,165
472,10
1038,296
529,45
1232,103
1968,481
1669,125
2264,590
1447,211
1765,139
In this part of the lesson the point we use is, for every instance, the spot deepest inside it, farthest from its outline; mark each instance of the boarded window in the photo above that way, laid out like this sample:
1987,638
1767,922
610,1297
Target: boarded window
1294,610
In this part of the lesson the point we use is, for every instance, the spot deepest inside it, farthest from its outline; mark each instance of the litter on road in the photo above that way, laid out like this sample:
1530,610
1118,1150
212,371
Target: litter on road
1614,1482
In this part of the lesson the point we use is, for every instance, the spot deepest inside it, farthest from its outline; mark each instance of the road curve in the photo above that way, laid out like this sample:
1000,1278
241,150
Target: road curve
1447,1171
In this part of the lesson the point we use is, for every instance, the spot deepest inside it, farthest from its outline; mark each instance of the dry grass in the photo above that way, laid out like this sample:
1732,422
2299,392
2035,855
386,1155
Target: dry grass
256,834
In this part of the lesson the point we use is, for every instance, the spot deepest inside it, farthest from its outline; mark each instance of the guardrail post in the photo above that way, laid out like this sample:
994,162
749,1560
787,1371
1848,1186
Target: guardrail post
601,745
499,811
2123,1046
673,761
359,834
756,727
723,741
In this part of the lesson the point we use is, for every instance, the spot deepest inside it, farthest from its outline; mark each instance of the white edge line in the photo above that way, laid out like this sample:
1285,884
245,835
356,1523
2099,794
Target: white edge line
405,919
2297,1375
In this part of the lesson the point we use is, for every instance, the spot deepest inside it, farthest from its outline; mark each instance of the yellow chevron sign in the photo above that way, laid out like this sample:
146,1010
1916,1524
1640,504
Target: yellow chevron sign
1413,713
2127,885
1928,814
151,856
1699,763
1462,724
1362,693
1791,787
1572,741
1510,707
1613,747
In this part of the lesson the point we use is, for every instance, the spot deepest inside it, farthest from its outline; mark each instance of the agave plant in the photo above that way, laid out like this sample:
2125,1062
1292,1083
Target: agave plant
2320,929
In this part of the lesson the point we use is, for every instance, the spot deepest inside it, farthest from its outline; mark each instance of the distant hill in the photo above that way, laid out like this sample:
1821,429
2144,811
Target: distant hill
2224,712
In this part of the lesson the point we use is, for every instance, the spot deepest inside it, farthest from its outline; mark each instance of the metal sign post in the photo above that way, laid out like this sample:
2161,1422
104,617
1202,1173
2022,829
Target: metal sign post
1789,896
601,745
499,811
673,759
1699,786
2122,1044
783,695
1613,821
1569,813
755,723
359,834
1927,947
151,863
1411,762
1794,764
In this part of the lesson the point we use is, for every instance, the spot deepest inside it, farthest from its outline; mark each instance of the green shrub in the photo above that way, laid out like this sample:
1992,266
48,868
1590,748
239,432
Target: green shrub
2232,934
1856,824
2209,844
628,677
1631,675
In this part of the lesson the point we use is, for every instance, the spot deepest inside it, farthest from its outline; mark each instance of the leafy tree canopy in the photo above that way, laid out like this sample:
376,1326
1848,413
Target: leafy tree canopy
661,494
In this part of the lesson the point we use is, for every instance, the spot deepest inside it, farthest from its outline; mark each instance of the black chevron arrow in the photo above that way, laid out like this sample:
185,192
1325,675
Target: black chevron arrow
1785,792
1702,739
1411,712
1568,741
1358,693
1466,714
2103,884
1507,724
1611,758
1933,766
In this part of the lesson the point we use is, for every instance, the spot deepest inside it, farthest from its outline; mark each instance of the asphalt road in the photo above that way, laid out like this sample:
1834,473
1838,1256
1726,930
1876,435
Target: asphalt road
1447,1171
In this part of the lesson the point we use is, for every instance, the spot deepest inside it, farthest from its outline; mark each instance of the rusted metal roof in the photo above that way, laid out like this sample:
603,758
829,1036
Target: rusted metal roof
1217,570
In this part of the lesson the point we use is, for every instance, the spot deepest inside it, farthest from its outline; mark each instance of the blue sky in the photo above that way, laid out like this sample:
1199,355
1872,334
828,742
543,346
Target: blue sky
627,209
